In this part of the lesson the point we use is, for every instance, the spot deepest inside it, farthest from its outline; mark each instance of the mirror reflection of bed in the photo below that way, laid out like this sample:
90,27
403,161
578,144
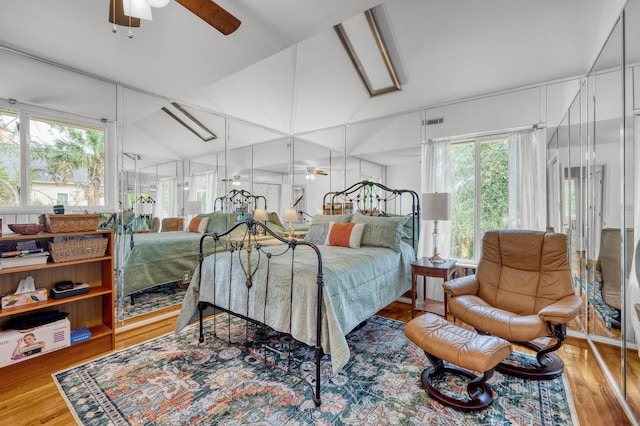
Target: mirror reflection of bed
156,266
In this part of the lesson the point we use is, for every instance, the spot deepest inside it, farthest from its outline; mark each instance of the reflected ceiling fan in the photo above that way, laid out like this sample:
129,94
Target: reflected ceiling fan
129,12
312,172
235,180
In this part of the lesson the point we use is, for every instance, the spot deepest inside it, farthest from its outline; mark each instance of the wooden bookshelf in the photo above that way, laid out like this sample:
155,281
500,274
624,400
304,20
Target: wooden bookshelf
94,310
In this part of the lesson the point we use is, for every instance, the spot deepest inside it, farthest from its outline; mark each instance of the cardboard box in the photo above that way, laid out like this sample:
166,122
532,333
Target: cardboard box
13,300
20,345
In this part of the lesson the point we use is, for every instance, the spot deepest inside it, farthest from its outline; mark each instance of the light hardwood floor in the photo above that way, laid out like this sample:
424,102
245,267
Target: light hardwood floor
37,401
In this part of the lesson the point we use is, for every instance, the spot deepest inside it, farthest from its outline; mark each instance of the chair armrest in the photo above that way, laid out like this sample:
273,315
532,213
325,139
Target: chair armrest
462,285
562,311
597,272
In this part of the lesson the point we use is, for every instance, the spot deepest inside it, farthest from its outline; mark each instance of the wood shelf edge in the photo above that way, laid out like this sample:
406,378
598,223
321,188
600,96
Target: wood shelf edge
93,292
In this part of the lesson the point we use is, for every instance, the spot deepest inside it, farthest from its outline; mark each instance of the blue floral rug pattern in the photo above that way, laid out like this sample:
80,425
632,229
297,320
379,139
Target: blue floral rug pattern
152,299
606,312
266,380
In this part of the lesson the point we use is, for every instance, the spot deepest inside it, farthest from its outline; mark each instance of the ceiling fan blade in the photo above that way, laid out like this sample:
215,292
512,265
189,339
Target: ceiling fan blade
213,15
117,16
320,172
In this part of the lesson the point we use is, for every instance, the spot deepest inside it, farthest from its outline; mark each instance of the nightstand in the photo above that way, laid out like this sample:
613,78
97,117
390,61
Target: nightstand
425,268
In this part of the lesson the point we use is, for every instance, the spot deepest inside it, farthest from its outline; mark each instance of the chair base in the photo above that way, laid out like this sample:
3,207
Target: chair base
550,365
480,394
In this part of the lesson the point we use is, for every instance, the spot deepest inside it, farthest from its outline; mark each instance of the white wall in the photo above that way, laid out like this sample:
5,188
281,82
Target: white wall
502,111
34,82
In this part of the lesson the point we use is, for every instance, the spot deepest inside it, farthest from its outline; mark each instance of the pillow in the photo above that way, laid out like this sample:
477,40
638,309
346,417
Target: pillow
319,227
272,217
381,231
407,228
345,234
198,224
219,222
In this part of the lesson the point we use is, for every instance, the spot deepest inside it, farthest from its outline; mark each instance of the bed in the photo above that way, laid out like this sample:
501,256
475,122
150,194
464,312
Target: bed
315,292
153,259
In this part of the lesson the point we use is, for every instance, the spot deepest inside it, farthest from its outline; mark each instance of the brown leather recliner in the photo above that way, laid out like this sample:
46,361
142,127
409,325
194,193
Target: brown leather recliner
608,270
522,291
155,224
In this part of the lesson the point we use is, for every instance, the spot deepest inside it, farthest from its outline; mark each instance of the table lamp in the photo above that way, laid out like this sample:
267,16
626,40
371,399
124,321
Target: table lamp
436,206
194,208
290,215
261,216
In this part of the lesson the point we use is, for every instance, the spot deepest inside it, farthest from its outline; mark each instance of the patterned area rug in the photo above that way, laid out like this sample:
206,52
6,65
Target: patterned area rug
152,299
174,380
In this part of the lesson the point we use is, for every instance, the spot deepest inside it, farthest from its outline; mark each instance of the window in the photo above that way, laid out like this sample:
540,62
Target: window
169,197
204,188
62,198
480,192
66,159
9,158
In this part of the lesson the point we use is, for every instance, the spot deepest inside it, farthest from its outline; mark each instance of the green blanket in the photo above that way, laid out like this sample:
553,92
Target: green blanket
159,258
357,284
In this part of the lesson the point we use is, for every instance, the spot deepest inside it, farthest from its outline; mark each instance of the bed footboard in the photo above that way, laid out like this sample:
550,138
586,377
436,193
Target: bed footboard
256,278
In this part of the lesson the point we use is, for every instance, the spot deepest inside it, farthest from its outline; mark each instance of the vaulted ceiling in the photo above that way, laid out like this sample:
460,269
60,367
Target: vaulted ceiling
285,68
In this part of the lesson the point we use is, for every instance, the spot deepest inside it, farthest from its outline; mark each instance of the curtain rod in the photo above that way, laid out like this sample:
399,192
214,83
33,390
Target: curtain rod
486,134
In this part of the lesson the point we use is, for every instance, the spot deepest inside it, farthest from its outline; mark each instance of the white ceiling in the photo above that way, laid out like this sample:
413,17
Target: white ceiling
285,69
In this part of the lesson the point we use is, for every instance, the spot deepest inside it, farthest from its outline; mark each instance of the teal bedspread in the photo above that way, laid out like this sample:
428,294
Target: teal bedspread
159,258
357,284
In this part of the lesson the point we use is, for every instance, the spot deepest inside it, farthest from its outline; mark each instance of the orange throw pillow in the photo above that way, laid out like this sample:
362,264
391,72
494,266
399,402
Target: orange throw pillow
345,234
198,224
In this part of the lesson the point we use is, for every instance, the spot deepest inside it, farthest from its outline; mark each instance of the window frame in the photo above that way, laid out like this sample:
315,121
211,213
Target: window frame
477,226
25,114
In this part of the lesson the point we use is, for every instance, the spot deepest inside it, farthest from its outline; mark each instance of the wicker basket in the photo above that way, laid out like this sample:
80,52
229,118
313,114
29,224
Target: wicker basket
57,223
66,251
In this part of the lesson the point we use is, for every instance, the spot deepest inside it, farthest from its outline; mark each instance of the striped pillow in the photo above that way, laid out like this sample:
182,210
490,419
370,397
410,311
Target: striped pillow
198,224
345,234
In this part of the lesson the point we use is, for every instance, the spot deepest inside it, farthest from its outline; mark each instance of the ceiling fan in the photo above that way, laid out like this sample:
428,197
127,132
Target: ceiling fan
235,180
312,172
208,11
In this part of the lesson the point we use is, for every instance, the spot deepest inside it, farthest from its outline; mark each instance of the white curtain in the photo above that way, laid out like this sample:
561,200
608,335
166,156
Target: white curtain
436,162
527,184
632,293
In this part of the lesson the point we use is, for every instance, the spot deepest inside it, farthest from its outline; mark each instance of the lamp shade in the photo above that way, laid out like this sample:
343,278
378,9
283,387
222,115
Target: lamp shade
194,207
137,9
260,215
158,3
290,215
436,206
146,208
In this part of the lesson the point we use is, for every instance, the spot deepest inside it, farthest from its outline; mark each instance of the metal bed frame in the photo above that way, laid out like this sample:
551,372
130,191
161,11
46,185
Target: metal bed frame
238,201
374,199
368,196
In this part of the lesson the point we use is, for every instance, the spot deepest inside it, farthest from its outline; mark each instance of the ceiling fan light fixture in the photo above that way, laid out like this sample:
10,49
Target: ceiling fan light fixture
158,3
137,9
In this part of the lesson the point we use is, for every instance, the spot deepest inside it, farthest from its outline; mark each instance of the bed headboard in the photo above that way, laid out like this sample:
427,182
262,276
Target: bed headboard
239,201
375,199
